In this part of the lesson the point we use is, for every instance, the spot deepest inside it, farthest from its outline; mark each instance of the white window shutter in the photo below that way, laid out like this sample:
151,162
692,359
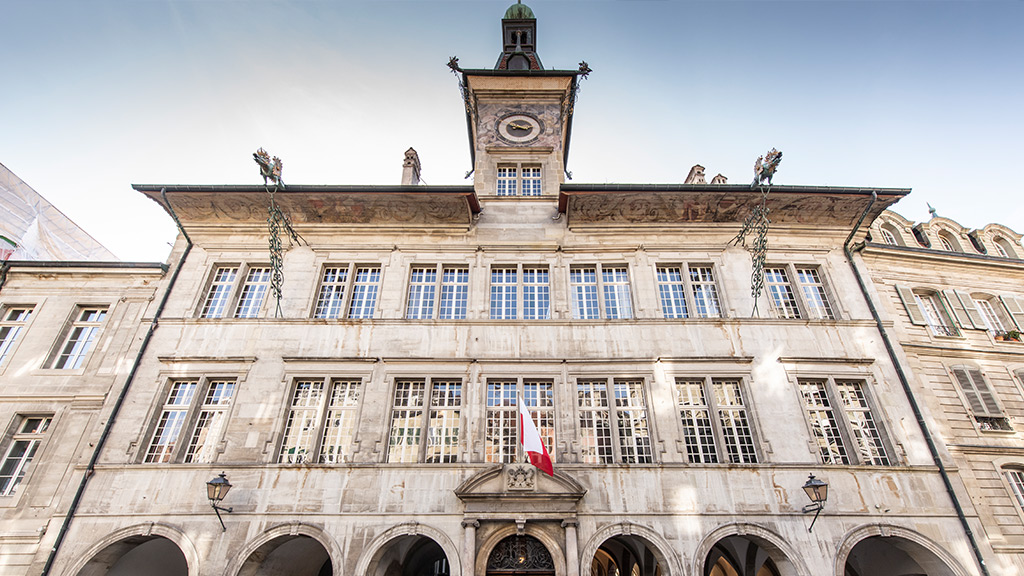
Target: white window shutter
1014,307
958,309
910,303
971,309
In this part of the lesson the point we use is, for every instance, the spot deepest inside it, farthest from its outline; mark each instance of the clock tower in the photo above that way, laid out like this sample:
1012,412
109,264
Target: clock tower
519,115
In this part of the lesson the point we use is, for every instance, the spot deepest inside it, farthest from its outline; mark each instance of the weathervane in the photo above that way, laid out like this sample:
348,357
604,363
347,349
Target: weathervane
276,220
757,222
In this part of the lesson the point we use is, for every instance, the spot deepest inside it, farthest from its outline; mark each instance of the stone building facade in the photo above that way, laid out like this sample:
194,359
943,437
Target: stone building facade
368,419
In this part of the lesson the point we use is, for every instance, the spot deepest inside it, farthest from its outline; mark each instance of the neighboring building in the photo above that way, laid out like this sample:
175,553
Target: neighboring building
957,300
368,421
33,229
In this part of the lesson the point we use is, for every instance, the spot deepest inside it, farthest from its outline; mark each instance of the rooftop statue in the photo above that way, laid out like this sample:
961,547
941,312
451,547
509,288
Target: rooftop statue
765,166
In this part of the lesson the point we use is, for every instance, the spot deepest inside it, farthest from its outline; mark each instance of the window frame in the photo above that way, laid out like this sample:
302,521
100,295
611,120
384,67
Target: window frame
348,288
520,383
912,302
689,288
10,341
851,444
238,286
74,322
617,455
988,415
186,433
797,289
520,287
38,441
519,179
458,456
711,405
321,415
439,285
600,286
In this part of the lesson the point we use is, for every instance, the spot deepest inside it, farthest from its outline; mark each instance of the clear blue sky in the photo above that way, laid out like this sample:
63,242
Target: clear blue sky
105,93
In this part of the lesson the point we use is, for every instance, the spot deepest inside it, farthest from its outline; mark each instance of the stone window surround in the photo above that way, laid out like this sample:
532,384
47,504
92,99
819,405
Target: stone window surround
424,424
439,284
37,443
616,441
792,270
14,322
73,322
193,409
980,410
707,381
229,306
348,286
689,285
850,442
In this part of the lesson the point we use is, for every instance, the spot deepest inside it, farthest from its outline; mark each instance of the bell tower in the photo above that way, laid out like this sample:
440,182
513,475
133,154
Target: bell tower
519,115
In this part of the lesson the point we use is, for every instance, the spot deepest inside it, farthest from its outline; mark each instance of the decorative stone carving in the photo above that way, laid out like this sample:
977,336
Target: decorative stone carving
520,477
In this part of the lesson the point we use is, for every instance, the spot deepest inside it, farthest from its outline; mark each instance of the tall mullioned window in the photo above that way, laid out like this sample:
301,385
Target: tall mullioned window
220,290
613,421
25,443
781,293
501,440
842,422
520,291
716,427
531,181
14,320
508,181
687,291
519,180
321,421
347,291
425,407
254,289
600,291
426,282
236,290
182,417
81,336
804,298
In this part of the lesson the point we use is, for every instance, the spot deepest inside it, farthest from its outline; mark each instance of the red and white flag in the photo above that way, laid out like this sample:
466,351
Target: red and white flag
529,437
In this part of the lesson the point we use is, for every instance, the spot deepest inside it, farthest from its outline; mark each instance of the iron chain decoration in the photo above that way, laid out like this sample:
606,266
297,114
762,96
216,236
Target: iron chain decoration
276,221
757,223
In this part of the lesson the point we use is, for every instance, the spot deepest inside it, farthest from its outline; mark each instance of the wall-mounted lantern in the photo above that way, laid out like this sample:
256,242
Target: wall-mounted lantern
216,490
817,491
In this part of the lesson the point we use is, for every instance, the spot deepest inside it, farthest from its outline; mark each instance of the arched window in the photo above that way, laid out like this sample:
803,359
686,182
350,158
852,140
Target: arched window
1004,248
949,243
888,236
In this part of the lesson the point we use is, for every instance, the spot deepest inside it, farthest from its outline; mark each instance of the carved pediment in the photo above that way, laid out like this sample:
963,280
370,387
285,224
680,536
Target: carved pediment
519,487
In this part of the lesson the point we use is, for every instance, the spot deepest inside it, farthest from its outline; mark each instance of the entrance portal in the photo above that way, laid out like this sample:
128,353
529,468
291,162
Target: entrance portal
520,555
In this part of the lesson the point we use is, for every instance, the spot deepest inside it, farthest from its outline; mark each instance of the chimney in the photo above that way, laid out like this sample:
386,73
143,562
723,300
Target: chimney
411,168
696,175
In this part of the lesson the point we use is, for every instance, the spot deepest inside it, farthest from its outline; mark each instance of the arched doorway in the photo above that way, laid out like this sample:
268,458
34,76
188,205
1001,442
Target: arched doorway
520,555
151,555
625,556
295,555
893,556
411,555
739,556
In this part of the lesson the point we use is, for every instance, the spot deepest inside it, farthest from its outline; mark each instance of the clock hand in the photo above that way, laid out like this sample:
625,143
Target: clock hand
518,126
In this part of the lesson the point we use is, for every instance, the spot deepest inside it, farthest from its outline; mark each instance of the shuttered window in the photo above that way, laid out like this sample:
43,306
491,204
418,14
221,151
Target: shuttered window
976,391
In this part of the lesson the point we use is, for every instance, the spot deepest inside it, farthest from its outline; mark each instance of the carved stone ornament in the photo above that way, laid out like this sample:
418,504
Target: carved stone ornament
520,477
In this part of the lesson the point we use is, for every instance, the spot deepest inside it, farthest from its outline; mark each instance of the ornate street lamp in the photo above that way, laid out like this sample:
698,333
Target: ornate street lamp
216,490
817,491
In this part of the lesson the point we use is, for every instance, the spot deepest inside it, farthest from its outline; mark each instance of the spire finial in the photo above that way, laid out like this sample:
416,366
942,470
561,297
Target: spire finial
931,210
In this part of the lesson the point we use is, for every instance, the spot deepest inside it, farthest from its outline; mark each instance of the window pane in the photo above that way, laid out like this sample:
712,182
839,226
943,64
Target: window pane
988,315
696,418
531,181
502,422
80,339
302,425
617,303
422,286
406,421
364,293
14,321
865,433
732,415
934,314
584,293
595,429
331,300
814,294
220,289
503,293
631,413
507,181
340,424
823,422
168,428
672,292
443,428
22,450
210,422
1016,479
781,293
539,399
454,294
253,291
536,294
705,294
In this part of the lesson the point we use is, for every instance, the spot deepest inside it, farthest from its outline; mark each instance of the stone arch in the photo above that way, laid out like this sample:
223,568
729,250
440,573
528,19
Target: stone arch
484,552
923,550
663,551
782,554
379,546
106,553
286,539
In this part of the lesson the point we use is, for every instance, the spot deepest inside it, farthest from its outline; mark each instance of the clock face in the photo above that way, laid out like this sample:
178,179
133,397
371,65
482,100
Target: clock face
519,128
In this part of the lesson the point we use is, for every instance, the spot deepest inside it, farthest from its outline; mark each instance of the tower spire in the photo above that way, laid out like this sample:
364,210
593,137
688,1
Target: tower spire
519,39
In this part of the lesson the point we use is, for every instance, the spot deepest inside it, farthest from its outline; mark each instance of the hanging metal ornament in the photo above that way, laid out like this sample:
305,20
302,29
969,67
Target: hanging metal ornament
277,221
757,223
